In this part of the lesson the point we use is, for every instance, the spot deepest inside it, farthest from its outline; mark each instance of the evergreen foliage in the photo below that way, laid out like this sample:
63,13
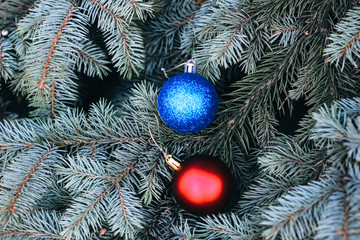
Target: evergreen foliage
12,10
68,172
344,43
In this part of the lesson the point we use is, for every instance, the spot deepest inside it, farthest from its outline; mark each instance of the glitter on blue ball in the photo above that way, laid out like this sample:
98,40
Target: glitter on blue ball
188,102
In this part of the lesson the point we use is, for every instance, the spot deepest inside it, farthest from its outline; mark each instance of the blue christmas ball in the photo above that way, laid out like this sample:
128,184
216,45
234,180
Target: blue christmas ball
188,102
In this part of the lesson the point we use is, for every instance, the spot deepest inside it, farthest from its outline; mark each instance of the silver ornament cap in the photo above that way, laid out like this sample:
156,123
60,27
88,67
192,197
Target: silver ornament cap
190,66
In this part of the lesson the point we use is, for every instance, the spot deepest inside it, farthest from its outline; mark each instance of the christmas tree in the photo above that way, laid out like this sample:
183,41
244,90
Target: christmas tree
82,143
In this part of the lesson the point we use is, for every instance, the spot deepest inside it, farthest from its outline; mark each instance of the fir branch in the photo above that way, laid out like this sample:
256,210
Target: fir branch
27,26
263,192
8,62
110,169
231,52
126,171
225,226
298,212
265,125
225,50
182,24
286,30
116,18
251,92
336,129
321,82
349,45
37,224
162,218
339,225
92,60
123,40
222,47
53,46
285,157
156,175
183,231
17,200
144,102
17,135
345,228
31,233
256,89
123,208
117,203
124,212
120,23
344,43
255,51
21,45
72,128
78,172
97,200
86,213
148,186
127,9
58,35
130,56
95,140
11,208
12,10
163,34
142,9
341,216
270,187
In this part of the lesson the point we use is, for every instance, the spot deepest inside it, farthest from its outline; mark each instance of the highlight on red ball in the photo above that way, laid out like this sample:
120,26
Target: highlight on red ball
203,185
200,187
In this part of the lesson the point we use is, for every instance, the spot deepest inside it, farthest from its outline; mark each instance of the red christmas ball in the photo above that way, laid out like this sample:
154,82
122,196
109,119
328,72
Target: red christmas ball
203,185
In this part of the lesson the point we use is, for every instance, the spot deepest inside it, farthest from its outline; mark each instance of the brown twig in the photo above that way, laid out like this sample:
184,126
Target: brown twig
122,202
285,30
42,85
350,43
52,111
11,207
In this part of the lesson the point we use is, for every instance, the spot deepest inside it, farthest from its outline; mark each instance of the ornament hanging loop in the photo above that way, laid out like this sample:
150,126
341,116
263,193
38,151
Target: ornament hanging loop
189,67
170,160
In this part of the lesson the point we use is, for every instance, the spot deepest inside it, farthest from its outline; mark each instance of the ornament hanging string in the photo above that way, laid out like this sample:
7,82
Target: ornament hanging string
170,160
157,145
190,67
